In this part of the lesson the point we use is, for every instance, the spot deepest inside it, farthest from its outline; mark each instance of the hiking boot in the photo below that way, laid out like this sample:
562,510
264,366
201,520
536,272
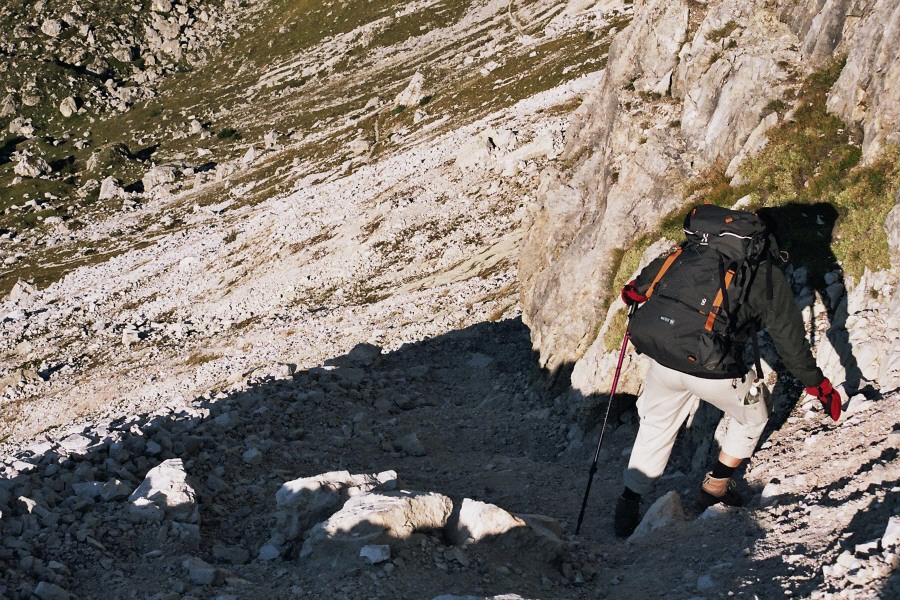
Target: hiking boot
628,515
716,489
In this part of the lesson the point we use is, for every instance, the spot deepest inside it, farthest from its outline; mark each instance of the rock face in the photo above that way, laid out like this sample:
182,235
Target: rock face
686,88
867,95
616,188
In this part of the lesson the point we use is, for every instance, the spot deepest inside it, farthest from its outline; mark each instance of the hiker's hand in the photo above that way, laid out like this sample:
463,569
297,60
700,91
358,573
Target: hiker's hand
828,396
631,296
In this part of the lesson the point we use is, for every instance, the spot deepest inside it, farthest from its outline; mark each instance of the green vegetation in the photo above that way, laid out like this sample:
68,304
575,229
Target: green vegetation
809,175
717,35
227,133
777,105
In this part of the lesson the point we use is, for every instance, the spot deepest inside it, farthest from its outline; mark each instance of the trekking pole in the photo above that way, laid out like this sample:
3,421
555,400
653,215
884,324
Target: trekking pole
612,392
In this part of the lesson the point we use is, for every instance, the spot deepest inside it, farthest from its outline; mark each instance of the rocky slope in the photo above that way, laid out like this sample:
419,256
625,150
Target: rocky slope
261,335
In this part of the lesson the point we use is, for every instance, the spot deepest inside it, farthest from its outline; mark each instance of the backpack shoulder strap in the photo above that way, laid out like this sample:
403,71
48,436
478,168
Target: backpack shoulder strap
721,296
663,269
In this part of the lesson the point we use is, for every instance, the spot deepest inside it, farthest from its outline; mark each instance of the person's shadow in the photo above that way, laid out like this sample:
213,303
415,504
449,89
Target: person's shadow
804,232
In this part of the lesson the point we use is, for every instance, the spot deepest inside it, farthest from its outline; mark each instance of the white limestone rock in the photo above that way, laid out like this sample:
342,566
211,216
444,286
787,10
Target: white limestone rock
376,518
364,355
110,189
201,573
359,147
157,177
114,489
8,106
303,502
891,537
892,229
866,94
31,166
75,443
165,493
270,140
375,553
412,94
20,126
249,157
756,142
52,27
666,511
661,45
21,291
68,106
479,522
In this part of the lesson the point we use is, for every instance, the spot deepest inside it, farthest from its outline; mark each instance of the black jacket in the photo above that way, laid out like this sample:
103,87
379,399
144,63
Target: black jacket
779,316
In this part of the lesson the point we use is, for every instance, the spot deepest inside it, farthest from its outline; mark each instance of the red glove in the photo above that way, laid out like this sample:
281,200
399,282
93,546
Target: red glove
828,396
631,296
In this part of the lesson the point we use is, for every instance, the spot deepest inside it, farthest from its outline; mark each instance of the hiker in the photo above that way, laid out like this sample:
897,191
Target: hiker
693,311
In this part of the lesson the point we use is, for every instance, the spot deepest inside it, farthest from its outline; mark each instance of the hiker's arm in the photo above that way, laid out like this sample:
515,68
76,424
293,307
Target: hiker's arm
784,322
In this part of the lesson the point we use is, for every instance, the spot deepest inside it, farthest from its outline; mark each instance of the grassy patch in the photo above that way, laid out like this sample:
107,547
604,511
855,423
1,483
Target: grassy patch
717,35
777,105
200,358
228,133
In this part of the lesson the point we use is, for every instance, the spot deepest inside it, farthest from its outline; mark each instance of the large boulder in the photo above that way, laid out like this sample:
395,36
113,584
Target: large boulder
32,166
165,493
113,157
377,518
158,176
480,522
303,502
8,106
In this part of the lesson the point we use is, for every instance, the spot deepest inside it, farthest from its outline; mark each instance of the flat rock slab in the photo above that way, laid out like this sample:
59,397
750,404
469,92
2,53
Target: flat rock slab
385,518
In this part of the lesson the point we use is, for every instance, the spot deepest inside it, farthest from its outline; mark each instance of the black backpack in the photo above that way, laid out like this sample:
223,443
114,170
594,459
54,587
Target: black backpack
688,322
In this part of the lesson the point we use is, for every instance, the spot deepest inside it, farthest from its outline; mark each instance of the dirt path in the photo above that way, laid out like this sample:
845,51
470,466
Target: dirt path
473,399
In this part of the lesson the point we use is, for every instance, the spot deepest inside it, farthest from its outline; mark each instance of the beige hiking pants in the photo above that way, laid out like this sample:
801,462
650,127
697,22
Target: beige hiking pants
665,403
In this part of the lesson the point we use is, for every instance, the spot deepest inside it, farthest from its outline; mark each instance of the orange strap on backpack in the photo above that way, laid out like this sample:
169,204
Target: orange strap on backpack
663,270
714,311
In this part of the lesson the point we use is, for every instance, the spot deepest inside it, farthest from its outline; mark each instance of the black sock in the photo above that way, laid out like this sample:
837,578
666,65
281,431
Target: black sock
721,471
630,494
